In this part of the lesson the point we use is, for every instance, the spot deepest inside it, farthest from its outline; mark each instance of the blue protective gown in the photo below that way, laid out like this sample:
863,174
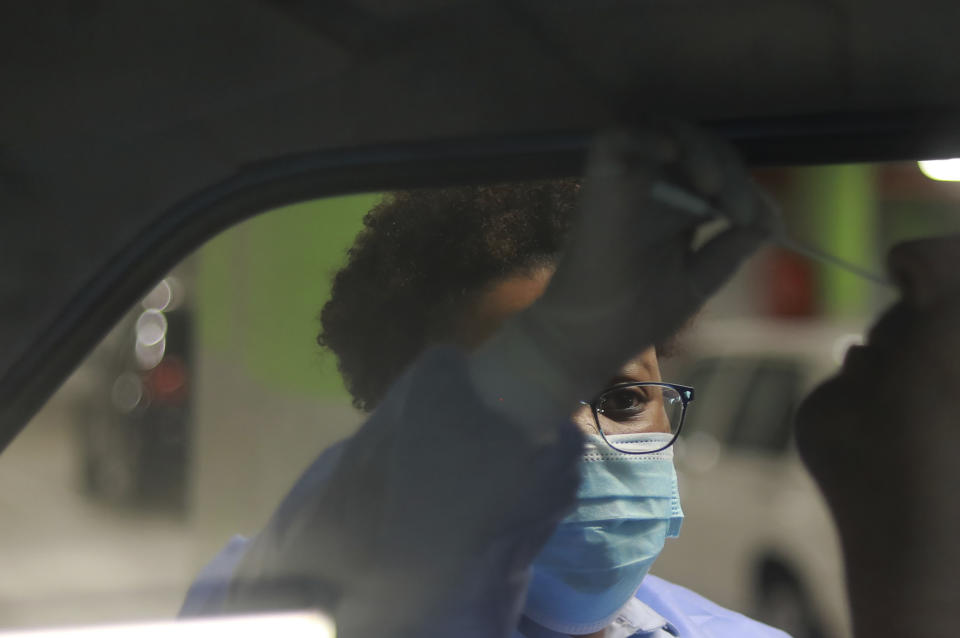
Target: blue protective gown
494,588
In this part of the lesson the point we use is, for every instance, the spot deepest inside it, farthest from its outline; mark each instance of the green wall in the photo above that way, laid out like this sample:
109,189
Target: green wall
839,203
261,285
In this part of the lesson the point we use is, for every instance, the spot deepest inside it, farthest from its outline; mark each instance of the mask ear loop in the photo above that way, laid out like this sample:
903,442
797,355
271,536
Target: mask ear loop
676,197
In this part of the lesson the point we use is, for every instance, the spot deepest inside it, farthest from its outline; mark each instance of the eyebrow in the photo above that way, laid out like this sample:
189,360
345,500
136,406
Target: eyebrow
643,372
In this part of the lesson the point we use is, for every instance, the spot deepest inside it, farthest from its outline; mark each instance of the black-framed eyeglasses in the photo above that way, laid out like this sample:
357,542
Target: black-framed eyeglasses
637,408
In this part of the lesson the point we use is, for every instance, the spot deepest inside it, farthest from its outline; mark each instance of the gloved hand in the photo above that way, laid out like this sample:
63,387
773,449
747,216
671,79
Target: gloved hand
629,276
882,439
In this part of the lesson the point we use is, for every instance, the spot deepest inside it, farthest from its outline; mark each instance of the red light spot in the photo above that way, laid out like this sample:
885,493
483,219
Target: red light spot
790,285
168,381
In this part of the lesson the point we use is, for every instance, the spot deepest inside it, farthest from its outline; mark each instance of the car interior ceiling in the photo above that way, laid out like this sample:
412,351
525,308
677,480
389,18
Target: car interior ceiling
266,131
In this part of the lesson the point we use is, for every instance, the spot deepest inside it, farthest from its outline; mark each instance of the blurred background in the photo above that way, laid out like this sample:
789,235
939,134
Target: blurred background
194,416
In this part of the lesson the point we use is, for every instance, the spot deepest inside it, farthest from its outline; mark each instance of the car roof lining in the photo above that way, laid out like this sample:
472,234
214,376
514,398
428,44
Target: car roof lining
120,115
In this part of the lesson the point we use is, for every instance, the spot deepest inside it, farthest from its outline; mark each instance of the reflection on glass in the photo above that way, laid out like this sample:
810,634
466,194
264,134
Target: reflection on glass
151,327
127,392
160,297
213,387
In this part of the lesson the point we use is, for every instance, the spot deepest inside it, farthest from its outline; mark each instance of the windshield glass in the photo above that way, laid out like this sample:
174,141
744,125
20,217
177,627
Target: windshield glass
189,424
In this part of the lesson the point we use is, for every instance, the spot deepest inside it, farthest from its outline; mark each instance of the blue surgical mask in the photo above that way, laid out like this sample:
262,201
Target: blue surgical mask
627,506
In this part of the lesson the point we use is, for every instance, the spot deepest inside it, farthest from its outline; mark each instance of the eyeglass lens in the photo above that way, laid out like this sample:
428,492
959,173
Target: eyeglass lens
639,409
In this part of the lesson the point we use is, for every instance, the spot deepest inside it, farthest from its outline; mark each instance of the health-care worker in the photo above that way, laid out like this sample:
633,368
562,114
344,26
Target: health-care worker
476,321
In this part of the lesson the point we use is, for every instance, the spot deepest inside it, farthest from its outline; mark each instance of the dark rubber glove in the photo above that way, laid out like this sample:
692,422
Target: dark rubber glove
630,276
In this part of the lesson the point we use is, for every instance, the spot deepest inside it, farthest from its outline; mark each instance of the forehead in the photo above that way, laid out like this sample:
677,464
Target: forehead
499,301
513,294
642,367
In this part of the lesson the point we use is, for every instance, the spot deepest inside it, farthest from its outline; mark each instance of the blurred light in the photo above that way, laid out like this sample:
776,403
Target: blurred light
699,452
843,343
947,170
149,356
127,392
151,327
158,298
288,625
178,293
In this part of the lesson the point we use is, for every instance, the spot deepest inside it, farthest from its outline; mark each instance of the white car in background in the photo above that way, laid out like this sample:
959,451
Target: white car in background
757,536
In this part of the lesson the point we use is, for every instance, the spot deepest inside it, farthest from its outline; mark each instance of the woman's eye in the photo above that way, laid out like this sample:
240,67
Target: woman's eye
626,400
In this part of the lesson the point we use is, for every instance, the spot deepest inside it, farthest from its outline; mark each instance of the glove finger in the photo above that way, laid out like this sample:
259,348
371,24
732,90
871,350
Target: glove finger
617,214
621,167
716,169
769,219
710,266
614,150
738,197
926,269
700,162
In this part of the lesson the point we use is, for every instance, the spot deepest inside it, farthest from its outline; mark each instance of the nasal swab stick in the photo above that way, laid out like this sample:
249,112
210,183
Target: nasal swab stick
671,195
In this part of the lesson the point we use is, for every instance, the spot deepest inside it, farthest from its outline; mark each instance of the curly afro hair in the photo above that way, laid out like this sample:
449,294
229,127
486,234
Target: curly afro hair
420,260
